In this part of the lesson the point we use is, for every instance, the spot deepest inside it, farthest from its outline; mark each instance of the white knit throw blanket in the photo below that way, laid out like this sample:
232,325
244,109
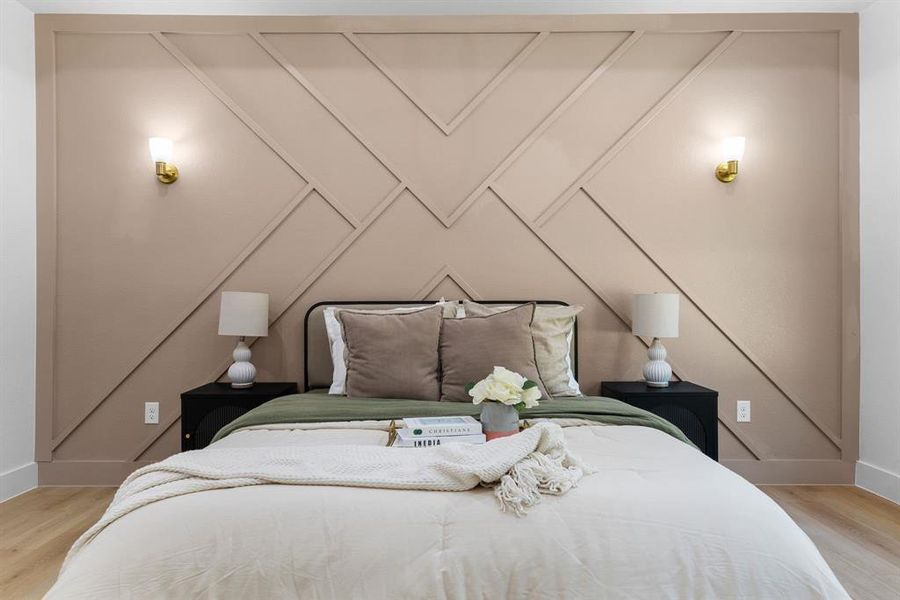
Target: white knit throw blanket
526,465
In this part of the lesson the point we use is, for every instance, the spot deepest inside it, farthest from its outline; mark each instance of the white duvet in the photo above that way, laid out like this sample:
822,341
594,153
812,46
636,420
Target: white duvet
656,520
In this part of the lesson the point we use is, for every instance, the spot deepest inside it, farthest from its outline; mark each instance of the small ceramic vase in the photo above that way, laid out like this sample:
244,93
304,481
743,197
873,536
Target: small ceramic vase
498,420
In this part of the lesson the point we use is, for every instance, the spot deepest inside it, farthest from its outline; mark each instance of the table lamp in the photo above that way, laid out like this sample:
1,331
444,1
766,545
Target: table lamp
243,314
655,316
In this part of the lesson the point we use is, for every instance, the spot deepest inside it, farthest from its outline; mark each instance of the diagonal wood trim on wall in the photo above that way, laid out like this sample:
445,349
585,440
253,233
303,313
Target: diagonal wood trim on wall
278,150
448,128
330,107
279,312
753,447
210,289
253,126
608,62
494,175
717,323
443,273
633,37
636,128
424,292
610,154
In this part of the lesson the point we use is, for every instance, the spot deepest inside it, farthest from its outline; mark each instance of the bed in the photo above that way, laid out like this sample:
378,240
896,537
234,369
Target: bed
655,519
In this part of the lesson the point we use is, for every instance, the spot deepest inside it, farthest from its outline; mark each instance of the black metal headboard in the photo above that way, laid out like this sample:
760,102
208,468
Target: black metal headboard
316,309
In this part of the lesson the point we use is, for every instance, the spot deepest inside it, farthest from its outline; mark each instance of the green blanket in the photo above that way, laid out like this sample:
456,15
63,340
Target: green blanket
317,408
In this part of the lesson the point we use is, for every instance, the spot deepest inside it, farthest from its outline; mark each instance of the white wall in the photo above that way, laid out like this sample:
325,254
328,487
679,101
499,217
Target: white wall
18,471
878,468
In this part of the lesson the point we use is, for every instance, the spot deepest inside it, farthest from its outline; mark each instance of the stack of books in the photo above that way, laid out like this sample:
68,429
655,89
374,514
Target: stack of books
424,432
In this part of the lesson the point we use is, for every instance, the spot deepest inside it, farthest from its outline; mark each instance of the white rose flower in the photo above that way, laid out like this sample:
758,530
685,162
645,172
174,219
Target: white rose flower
531,396
504,393
508,377
479,392
506,387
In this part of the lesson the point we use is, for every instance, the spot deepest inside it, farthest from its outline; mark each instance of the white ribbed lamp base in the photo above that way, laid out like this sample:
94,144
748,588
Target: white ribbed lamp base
242,373
657,371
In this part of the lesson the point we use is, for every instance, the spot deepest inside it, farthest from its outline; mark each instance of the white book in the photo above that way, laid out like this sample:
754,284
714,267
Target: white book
405,439
442,426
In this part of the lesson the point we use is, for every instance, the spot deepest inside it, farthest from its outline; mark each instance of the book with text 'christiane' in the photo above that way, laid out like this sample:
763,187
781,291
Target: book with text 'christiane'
442,426
405,439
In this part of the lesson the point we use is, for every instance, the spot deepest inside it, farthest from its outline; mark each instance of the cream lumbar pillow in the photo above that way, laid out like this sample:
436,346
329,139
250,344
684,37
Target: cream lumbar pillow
552,329
336,336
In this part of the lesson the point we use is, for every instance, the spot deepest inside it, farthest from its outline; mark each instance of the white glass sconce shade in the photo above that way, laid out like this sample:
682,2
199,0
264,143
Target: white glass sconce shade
161,149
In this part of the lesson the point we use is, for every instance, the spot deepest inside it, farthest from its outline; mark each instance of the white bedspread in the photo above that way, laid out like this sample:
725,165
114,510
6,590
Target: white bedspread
522,466
657,520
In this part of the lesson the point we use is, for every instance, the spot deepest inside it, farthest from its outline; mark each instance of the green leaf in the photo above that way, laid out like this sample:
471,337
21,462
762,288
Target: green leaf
519,407
469,387
528,384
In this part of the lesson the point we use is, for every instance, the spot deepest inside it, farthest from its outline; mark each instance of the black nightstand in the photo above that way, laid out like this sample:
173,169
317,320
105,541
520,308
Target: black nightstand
208,408
691,408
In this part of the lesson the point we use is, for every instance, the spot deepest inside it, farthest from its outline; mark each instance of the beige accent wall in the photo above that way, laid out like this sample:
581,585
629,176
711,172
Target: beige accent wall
480,157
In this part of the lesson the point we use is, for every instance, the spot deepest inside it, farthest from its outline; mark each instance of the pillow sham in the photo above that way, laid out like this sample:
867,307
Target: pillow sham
336,337
470,348
392,355
552,329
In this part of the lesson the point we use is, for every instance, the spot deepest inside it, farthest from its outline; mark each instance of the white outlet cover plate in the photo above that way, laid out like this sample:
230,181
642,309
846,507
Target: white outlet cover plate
151,413
743,411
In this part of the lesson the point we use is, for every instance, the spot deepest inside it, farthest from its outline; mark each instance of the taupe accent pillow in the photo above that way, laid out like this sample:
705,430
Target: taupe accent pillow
392,355
470,348
336,337
551,329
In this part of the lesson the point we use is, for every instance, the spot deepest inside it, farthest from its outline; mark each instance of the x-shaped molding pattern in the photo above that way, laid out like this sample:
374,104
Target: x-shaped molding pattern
488,186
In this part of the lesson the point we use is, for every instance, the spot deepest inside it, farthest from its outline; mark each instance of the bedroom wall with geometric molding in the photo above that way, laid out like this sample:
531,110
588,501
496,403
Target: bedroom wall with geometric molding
384,158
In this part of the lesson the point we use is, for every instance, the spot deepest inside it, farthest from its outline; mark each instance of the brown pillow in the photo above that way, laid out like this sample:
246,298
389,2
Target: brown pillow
392,355
551,329
472,347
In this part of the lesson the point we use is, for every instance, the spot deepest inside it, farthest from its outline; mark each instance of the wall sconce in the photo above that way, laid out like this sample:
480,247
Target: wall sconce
732,152
161,152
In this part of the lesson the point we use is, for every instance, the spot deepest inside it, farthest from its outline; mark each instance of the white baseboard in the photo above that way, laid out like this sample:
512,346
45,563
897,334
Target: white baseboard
18,481
878,481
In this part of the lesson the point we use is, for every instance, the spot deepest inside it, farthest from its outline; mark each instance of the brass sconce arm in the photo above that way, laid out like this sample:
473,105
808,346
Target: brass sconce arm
161,153
732,152
727,171
166,172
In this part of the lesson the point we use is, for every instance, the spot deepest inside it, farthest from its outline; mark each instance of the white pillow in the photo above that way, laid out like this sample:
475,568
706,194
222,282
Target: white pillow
574,390
336,340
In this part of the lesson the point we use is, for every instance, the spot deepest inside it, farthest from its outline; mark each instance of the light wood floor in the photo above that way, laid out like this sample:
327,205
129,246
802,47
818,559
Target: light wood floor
857,532
37,529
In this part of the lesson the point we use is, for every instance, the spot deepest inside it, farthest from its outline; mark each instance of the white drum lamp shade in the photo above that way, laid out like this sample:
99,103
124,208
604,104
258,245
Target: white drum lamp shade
243,314
656,316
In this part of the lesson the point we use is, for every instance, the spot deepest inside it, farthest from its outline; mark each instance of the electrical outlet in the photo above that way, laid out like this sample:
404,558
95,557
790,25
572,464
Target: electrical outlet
151,413
743,411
